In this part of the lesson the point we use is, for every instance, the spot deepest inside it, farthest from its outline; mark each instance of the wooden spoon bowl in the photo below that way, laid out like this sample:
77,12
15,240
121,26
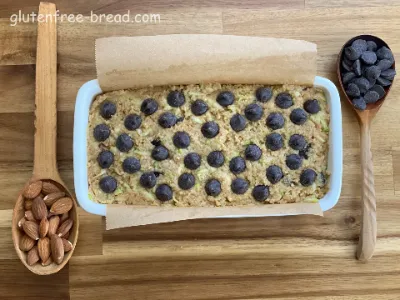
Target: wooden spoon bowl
372,108
45,161
17,233
367,241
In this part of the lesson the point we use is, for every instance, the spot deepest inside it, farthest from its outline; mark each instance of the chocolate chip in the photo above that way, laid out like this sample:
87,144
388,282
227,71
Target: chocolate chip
385,53
352,53
353,90
356,67
368,57
383,82
372,72
346,77
371,46
384,64
359,103
389,74
346,66
360,44
379,89
362,83
371,97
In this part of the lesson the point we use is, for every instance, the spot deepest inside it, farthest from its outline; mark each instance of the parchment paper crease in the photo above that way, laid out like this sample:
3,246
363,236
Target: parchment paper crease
129,62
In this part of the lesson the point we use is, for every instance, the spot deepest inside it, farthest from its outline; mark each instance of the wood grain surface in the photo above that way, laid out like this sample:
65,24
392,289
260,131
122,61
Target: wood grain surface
299,257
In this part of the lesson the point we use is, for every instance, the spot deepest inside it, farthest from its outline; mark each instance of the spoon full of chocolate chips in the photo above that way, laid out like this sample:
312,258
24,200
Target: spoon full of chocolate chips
366,69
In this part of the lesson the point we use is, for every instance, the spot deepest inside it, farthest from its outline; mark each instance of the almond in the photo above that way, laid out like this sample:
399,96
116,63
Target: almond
47,262
64,217
28,204
65,227
61,206
29,215
66,236
44,248
67,245
57,249
53,197
26,243
33,189
43,227
21,222
31,228
49,187
54,221
39,209
33,256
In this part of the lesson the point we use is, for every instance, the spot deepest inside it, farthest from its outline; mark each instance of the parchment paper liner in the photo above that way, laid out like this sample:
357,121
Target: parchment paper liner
129,62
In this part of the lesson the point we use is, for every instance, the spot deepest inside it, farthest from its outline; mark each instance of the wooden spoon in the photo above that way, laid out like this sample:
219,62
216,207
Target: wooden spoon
367,241
45,162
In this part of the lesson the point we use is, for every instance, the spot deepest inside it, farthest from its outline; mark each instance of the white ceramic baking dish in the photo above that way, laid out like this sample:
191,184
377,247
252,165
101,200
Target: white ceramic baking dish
91,89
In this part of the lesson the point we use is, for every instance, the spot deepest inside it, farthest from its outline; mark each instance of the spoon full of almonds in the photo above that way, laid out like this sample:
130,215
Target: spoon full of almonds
45,218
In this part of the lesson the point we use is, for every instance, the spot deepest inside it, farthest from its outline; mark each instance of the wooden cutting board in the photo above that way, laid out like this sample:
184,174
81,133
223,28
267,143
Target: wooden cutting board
302,257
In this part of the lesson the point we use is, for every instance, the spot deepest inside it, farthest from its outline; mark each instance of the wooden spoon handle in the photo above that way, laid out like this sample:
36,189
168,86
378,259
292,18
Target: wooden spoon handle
45,159
366,244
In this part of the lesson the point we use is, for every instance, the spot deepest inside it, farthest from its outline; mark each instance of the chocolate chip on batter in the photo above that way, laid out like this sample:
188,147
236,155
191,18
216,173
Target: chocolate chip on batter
298,116
284,100
132,122
225,98
238,122
186,181
252,152
149,106
294,161
108,184
275,121
239,186
312,106
131,165
253,112
124,143
181,139
107,109
164,192
148,180
213,187
274,174
176,98
101,132
263,94
215,159
199,107
274,141
105,159
237,165
192,161
260,193
210,129
159,153
308,177
297,142
167,120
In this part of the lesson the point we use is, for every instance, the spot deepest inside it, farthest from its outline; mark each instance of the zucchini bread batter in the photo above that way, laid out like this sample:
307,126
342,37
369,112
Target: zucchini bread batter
209,145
